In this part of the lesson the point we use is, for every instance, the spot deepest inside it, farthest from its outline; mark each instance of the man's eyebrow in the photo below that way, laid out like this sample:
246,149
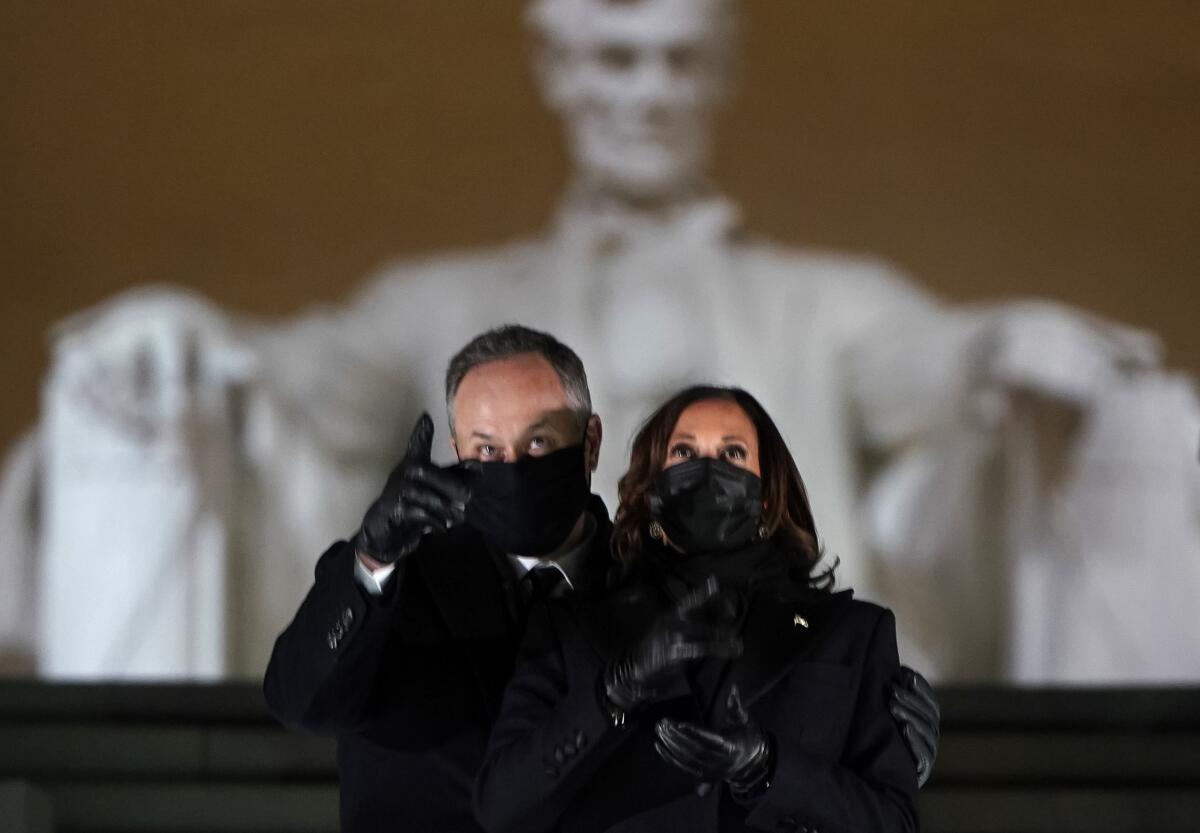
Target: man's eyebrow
481,435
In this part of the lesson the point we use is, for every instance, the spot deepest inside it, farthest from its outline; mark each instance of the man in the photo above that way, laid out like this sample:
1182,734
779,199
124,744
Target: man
404,644
406,640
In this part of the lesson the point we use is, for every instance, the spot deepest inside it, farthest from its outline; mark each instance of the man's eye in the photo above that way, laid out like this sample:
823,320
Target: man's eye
540,445
486,451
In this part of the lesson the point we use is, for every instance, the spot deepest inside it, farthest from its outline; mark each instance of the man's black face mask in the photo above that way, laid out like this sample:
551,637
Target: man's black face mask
707,505
530,506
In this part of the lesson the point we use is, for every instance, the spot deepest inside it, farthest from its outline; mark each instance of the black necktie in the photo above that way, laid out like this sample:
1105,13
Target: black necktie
541,582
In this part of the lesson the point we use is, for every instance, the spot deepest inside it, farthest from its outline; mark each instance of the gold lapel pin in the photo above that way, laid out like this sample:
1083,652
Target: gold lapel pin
799,620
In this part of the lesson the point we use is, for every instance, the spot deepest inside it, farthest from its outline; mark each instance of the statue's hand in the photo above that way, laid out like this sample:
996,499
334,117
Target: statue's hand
1062,354
147,360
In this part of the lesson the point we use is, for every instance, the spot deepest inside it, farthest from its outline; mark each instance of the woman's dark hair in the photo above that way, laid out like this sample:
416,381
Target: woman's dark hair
786,516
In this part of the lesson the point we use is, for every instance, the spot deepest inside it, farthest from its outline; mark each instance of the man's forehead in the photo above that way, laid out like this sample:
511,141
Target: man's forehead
521,384
499,419
513,425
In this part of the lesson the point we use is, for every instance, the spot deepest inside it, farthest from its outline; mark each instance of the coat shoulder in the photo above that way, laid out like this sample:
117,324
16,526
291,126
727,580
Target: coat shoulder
869,615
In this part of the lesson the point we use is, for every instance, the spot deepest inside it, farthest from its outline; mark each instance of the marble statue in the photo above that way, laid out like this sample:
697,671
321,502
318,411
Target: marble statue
191,464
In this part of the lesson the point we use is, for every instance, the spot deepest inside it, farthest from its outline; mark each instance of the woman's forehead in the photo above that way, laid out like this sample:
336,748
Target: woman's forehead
721,417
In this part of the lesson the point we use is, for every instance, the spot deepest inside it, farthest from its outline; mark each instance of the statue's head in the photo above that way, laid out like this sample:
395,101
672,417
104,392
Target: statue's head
638,83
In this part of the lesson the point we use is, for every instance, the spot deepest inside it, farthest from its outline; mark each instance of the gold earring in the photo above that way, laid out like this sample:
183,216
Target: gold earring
763,532
656,531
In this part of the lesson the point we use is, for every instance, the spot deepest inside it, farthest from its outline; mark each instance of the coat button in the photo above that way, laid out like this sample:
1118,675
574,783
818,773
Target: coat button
332,640
559,756
347,617
580,738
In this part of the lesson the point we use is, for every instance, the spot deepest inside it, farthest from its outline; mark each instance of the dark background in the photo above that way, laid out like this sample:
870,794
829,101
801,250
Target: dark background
270,152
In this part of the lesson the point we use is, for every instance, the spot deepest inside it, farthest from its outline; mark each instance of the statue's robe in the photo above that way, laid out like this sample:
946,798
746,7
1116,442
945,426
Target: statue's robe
182,552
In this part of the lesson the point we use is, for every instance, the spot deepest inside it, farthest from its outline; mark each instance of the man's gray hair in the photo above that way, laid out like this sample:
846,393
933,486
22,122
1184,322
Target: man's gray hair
515,340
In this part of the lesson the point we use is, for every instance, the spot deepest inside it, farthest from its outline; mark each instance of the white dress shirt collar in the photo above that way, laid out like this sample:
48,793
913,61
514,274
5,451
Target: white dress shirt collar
569,563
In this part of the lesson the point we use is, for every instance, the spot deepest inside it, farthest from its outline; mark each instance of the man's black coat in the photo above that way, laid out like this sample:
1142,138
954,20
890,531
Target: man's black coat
817,673
411,681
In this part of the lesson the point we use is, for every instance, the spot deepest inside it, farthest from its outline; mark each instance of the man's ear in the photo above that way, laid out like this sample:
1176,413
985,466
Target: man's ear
454,448
592,435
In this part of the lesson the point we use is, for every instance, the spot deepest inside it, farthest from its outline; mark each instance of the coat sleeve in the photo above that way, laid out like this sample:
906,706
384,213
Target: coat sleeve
873,788
552,733
321,670
906,359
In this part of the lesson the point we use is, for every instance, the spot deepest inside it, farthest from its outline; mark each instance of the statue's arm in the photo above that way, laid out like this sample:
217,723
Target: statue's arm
916,366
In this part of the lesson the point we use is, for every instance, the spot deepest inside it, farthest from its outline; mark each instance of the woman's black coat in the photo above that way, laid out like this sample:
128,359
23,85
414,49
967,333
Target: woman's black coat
817,673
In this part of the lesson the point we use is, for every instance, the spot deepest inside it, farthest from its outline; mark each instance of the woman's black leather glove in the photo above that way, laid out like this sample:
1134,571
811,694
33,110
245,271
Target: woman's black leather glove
688,631
740,754
419,498
916,709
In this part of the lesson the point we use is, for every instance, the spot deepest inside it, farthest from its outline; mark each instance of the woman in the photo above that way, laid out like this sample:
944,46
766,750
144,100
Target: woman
722,685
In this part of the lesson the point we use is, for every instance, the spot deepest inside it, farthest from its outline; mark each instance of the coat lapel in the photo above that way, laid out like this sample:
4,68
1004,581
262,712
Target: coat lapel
467,588
594,572
611,624
780,629
476,594
472,596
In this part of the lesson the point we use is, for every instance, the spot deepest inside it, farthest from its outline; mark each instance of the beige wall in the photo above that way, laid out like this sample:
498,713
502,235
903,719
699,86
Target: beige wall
269,152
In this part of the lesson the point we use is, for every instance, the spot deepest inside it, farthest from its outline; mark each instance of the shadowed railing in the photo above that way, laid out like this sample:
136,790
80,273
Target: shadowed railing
117,758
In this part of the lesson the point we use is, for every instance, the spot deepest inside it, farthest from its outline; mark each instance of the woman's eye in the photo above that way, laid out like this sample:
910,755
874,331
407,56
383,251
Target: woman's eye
734,452
681,452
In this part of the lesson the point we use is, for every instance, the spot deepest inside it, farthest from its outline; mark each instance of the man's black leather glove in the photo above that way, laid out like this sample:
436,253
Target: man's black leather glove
916,709
739,754
688,631
419,498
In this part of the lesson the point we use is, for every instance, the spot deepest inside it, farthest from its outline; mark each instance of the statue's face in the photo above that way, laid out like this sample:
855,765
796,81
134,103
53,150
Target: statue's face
638,87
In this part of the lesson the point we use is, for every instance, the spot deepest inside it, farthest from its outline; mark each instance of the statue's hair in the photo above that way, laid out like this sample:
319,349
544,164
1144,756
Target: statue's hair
565,21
